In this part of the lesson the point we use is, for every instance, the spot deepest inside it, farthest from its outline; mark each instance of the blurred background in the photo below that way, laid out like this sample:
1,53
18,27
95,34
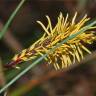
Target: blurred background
43,80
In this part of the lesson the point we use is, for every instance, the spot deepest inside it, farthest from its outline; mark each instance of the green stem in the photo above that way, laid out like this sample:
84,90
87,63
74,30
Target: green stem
41,58
3,31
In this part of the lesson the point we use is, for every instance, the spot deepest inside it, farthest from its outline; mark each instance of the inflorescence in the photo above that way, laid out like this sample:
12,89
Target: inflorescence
67,53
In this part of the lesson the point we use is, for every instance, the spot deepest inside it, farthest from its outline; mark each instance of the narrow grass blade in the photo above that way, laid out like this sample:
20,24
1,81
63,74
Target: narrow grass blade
3,31
42,57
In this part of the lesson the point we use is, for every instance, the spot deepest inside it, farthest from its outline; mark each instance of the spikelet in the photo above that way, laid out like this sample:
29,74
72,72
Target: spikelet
67,53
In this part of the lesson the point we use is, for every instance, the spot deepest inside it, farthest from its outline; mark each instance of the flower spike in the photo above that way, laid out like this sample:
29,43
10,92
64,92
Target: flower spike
67,53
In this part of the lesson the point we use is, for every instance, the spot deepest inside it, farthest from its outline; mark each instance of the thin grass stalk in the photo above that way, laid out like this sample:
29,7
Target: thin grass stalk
3,31
42,57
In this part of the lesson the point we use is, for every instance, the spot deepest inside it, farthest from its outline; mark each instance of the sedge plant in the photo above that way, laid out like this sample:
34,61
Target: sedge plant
61,45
